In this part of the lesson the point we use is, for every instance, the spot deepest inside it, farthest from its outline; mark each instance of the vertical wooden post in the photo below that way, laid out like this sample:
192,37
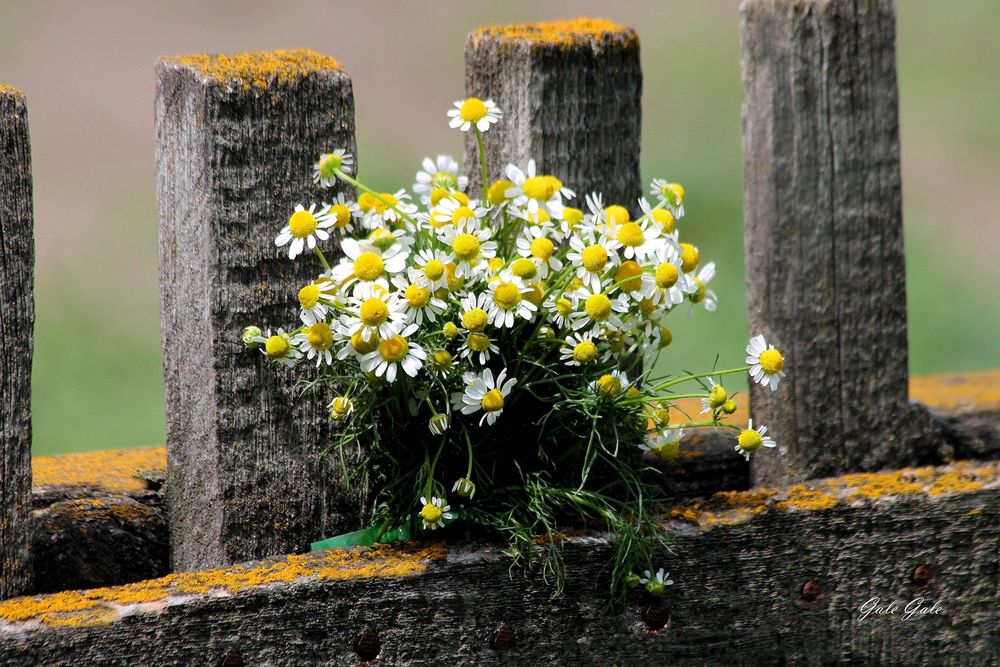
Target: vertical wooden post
824,234
236,140
17,318
570,94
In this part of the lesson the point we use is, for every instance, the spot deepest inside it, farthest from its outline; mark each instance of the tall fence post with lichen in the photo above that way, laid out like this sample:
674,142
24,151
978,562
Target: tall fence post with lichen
237,137
570,93
17,317
824,236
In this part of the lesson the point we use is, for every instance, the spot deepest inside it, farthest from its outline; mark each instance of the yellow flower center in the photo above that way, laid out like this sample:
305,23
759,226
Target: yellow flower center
497,191
444,179
328,164
442,359
276,347
384,201
366,201
431,513
628,275
631,234
541,188
495,263
609,385
455,282
302,224
524,268
666,336
564,307
462,213
492,401
368,266
535,294
320,337
699,295
340,405
598,307
472,110
750,440
678,191
595,258
771,361
478,342
450,330
689,257
434,269
382,238
362,346
617,342
666,275
475,319
646,307
308,296
572,216
717,396
617,215
437,194
542,248
466,247
665,218
342,215
394,349
667,451
584,352
374,312
417,296
507,295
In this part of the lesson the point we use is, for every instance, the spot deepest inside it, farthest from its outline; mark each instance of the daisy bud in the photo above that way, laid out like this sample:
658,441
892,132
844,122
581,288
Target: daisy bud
438,424
729,407
249,334
450,330
655,587
717,397
632,580
464,487
546,332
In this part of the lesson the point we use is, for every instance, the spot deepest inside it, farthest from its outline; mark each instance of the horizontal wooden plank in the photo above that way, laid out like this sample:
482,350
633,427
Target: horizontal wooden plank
761,576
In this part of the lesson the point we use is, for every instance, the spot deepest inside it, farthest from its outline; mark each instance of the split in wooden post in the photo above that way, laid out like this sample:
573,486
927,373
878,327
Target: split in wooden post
824,236
17,318
237,137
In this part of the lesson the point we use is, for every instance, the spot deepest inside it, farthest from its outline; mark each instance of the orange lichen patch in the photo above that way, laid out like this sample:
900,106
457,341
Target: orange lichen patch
801,497
111,469
10,90
258,69
101,605
89,509
958,392
561,33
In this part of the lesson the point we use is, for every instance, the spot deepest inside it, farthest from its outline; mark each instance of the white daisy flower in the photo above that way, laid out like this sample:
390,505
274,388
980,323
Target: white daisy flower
315,343
340,408
486,394
328,163
672,194
661,216
278,347
419,300
766,362
536,191
441,173
451,211
386,208
373,311
656,583
355,345
638,239
395,352
633,282
701,293
439,423
470,244
599,310
341,214
302,230
428,267
473,111
618,343
750,440
559,308
611,385
474,311
434,513
506,300
717,395
478,343
579,349
664,446
364,261
316,298
669,277
464,487
592,256
535,244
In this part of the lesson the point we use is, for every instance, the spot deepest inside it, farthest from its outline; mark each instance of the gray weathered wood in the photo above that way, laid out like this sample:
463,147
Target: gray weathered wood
740,595
17,318
570,93
236,140
824,236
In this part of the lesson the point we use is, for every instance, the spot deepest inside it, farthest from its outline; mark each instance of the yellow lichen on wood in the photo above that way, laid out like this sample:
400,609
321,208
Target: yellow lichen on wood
90,509
10,90
102,605
258,69
958,393
112,469
561,33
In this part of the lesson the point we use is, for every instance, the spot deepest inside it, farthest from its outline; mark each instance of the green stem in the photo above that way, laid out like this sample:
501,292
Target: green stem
685,378
482,163
322,258
468,444
358,184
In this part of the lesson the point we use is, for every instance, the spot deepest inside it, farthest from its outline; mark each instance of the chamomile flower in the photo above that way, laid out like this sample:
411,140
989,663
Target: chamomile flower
599,310
442,174
717,396
701,293
473,111
315,299
579,349
451,211
393,353
751,439
611,385
386,208
664,446
766,362
474,311
656,583
433,513
559,308
419,300
593,256
373,310
340,408
471,246
355,346
478,343
638,240
672,194
278,347
536,191
302,230
315,343
659,215
341,214
329,163
486,394
506,300
633,282
535,244
669,277
464,487
364,261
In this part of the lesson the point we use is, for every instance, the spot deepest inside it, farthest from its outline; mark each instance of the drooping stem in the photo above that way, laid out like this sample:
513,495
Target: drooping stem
322,258
482,162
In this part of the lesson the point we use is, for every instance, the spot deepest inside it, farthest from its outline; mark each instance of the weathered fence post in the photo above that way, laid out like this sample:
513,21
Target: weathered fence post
824,234
236,140
570,94
17,318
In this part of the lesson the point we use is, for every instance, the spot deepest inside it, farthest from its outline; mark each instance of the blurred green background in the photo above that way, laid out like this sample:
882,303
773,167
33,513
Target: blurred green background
87,69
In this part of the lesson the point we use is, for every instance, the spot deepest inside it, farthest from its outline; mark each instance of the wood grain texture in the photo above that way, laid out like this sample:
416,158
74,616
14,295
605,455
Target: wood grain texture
235,154
17,318
824,236
570,100
738,597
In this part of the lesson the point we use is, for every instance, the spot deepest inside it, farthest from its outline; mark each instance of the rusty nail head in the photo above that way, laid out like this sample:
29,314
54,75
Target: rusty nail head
367,645
811,590
656,616
504,638
922,575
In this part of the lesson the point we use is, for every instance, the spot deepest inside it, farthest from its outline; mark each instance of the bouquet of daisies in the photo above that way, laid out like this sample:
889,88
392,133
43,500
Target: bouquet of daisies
489,356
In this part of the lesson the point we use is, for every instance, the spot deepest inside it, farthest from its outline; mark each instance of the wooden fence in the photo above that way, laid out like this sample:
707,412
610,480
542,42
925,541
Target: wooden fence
765,573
